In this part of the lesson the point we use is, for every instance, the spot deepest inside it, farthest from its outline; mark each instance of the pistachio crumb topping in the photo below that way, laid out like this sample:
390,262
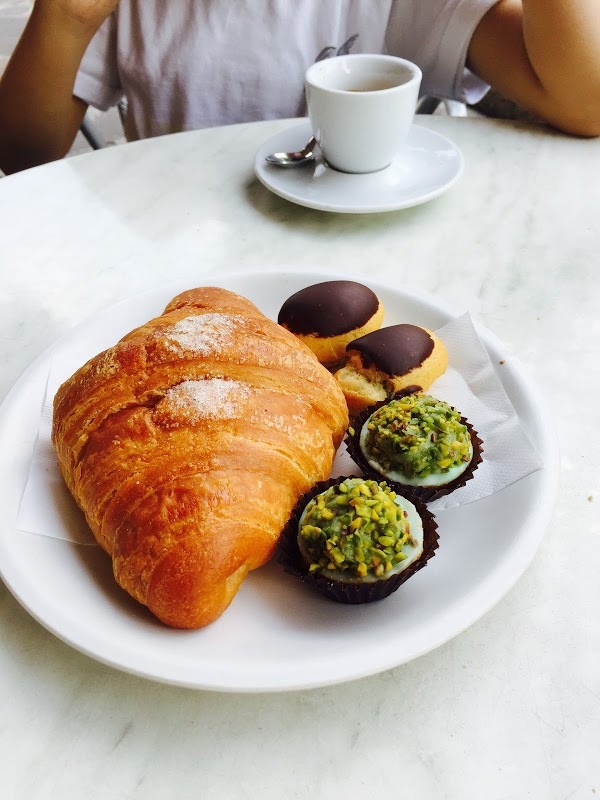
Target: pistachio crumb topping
355,529
418,436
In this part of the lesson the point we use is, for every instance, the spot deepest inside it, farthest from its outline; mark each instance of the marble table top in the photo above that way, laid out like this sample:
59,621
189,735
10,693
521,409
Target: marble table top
510,708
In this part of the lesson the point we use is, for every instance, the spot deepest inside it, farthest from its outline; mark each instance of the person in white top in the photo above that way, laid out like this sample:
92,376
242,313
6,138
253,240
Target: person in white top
184,64
195,63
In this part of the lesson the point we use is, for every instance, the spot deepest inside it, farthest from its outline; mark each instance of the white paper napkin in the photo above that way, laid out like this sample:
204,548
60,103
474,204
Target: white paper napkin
47,507
470,384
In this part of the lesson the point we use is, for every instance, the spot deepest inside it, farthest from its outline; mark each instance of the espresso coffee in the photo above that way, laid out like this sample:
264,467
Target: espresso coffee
375,85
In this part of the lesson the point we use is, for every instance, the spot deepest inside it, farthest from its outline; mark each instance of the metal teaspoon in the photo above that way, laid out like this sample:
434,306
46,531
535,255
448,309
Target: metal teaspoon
296,158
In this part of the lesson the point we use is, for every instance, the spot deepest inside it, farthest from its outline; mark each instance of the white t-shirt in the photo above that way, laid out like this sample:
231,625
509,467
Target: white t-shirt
187,64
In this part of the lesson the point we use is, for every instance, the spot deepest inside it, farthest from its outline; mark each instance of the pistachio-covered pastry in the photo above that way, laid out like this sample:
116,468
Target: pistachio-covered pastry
418,443
358,531
357,540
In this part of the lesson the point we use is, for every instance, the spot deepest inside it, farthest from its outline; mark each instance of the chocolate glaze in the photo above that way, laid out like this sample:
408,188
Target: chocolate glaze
330,308
394,350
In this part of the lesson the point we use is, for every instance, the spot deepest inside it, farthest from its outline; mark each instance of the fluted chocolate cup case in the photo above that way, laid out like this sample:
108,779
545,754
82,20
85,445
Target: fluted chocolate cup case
294,562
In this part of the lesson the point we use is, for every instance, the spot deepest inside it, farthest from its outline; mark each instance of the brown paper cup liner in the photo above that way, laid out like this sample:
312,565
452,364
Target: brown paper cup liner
425,493
290,558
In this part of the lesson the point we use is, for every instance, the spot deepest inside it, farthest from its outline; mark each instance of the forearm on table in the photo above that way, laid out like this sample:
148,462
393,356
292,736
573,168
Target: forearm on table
545,55
39,116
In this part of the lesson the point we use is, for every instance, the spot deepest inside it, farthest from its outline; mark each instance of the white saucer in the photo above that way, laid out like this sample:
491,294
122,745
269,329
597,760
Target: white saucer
428,165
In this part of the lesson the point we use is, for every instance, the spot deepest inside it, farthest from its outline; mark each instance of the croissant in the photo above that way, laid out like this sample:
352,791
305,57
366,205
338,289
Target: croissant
187,445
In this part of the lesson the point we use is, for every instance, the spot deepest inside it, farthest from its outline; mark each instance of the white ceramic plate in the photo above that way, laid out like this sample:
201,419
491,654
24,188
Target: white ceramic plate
428,165
277,635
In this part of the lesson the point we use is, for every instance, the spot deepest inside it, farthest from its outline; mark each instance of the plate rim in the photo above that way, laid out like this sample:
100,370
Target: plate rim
263,172
542,516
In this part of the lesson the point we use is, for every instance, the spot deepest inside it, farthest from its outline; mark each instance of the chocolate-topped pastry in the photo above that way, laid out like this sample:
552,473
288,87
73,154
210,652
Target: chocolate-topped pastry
389,360
327,316
395,350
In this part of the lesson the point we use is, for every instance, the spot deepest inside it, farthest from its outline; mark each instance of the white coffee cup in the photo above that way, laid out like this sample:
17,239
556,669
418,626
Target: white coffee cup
361,108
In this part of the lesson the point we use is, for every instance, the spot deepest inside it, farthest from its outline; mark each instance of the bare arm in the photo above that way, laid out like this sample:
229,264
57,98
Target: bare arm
39,116
544,55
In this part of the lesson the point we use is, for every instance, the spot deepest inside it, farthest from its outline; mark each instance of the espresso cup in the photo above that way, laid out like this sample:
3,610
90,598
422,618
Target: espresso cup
361,108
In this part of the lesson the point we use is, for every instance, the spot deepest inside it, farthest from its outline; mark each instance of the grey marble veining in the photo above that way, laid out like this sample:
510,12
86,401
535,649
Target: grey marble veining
510,708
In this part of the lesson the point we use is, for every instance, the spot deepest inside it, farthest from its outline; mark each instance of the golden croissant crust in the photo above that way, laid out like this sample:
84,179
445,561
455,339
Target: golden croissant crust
187,445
